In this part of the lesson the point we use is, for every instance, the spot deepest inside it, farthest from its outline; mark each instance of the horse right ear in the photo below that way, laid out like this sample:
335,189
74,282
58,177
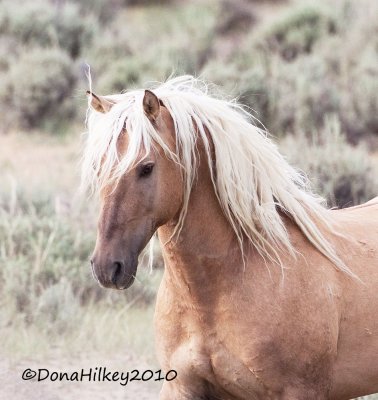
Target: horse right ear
99,103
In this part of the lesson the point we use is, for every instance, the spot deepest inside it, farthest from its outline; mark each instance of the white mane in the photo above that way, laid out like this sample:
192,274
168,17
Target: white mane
251,178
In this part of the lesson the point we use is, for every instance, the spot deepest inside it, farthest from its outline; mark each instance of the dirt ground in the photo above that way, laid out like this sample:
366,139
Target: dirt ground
12,386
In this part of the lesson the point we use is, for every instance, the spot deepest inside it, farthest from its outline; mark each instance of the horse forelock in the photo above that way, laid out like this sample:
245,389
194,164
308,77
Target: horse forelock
251,178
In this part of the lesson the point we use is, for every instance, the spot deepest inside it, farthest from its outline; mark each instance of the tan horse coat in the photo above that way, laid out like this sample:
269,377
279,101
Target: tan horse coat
250,333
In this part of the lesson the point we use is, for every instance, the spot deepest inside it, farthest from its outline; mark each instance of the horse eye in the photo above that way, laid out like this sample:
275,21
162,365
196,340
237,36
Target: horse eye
145,170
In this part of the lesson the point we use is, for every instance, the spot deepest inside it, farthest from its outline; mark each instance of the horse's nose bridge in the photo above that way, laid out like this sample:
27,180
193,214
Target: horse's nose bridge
110,220
100,259
107,226
106,252
105,240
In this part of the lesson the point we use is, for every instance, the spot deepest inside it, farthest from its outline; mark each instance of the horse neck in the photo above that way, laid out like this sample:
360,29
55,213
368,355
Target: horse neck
206,250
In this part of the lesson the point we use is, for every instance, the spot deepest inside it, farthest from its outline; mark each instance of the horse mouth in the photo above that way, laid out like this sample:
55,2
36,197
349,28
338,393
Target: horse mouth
126,283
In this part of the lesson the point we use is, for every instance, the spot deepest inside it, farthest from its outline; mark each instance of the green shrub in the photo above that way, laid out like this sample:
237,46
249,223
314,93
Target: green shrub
114,67
45,24
298,31
340,172
104,10
57,308
254,93
251,86
338,77
133,55
30,23
301,95
39,87
235,16
352,64
8,52
147,2
74,32
120,75
285,97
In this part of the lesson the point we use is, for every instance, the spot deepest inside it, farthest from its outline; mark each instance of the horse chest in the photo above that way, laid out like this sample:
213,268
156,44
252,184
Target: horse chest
205,362
223,353
254,367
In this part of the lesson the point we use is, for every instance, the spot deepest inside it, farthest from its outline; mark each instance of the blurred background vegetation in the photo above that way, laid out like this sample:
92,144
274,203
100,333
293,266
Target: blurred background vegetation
307,69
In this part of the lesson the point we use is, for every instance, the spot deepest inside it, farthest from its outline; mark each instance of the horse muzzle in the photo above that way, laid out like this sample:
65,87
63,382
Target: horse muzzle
119,274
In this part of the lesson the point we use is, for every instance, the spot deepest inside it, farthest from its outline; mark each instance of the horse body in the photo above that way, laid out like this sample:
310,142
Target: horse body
235,332
266,294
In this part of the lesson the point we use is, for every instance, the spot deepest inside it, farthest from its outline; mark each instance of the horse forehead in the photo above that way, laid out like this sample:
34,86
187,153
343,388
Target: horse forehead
123,142
164,127
166,117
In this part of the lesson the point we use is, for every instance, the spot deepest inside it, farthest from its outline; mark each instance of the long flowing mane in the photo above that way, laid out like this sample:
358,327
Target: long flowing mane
251,178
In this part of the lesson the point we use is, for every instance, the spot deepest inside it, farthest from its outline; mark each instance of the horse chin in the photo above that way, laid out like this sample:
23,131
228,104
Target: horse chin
126,283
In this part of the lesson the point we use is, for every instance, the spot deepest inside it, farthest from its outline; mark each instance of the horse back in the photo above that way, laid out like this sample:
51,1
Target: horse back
371,203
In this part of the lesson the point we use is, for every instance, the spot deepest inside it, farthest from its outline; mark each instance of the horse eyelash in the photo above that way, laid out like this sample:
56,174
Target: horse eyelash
145,170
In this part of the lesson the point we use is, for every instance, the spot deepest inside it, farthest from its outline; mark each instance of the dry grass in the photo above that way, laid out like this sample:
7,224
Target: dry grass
28,159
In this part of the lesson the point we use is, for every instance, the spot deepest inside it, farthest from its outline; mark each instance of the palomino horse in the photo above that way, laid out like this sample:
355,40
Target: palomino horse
266,294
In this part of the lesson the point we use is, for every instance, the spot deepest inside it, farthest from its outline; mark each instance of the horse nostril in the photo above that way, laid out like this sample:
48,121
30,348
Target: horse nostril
116,271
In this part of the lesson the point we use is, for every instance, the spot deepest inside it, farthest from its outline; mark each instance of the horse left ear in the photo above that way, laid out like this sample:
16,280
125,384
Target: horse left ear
99,103
151,105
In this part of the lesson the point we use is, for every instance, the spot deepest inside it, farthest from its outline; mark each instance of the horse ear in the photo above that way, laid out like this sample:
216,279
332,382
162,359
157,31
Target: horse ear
151,105
99,103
